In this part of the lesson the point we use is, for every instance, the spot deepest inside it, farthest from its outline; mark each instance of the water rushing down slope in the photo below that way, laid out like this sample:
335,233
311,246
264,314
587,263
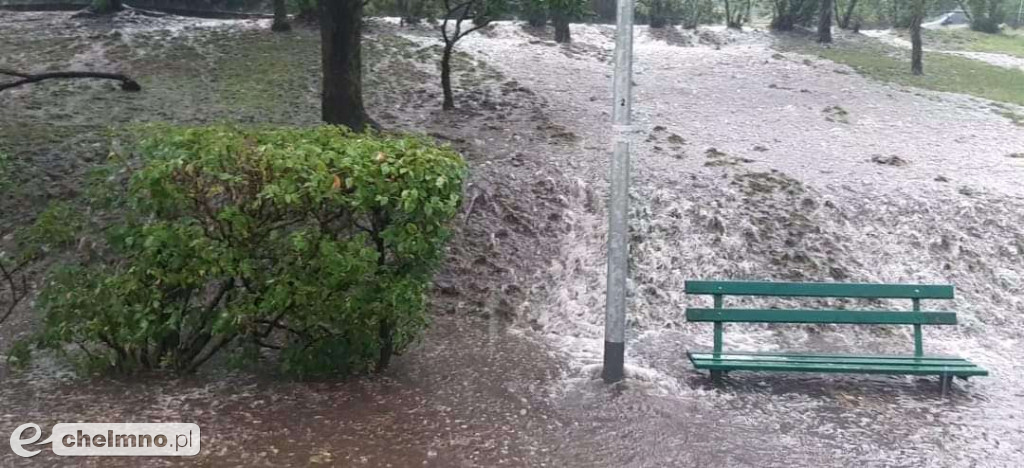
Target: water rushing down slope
755,165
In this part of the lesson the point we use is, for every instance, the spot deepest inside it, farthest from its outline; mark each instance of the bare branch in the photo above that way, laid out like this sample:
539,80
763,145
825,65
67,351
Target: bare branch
127,83
18,291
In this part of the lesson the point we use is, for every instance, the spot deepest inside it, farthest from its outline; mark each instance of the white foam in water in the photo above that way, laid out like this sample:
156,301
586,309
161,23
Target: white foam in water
954,214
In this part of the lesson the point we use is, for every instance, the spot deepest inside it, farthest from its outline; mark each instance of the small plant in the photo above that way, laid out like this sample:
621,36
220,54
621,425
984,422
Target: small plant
319,243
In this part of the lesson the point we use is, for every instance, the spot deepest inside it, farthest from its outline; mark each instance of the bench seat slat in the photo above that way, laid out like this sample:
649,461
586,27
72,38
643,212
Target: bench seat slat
962,368
803,358
820,316
933,357
785,289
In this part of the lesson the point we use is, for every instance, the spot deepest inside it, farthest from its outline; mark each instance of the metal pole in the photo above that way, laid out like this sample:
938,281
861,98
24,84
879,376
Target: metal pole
1020,10
618,213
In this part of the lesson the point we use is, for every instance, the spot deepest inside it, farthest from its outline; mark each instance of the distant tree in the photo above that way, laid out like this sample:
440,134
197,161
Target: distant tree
986,15
341,24
605,10
106,6
917,9
536,12
695,12
658,12
307,10
280,17
788,13
562,13
481,13
412,11
844,20
735,18
825,22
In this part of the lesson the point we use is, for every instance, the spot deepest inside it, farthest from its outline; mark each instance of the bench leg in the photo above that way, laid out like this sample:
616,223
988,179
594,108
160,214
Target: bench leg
716,377
946,381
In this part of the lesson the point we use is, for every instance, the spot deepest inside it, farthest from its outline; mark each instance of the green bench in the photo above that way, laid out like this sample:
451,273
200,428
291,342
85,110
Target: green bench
718,361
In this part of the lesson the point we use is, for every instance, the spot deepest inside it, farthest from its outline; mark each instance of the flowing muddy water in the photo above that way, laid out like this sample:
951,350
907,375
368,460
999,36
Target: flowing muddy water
748,164
755,165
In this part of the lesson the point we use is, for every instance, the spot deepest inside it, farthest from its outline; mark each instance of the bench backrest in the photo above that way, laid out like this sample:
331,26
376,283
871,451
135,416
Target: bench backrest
915,292
863,290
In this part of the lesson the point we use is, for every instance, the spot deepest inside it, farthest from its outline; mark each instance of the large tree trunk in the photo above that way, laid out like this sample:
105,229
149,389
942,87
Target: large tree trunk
561,22
825,22
341,55
280,17
446,78
916,52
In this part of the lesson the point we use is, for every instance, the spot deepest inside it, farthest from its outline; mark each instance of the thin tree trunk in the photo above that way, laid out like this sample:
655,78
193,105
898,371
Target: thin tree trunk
341,55
825,22
280,17
446,79
561,22
916,52
387,345
728,15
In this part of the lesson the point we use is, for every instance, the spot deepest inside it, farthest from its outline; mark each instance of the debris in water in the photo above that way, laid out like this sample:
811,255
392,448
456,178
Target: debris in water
889,160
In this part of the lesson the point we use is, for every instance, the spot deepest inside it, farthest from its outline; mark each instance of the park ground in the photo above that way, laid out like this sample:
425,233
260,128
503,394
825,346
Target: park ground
756,157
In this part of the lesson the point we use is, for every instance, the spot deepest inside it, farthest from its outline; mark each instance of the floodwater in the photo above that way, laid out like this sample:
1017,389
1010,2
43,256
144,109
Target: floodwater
743,169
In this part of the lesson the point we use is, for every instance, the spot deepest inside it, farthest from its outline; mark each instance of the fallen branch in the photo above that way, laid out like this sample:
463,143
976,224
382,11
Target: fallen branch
18,290
127,83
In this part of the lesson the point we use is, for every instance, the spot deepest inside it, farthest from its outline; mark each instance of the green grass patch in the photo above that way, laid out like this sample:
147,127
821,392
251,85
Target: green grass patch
1008,42
943,72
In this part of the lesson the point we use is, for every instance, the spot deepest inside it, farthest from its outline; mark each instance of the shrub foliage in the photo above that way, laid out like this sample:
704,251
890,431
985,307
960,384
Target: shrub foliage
317,242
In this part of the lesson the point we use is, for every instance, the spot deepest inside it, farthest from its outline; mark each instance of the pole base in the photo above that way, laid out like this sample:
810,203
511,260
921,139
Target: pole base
614,358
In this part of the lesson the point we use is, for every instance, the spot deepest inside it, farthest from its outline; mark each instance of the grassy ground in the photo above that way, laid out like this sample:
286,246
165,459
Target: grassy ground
1010,42
943,72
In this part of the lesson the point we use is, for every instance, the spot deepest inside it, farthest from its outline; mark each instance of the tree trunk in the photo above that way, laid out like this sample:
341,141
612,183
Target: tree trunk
387,344
280,17
916,52
728,15
561,22
446,78
825,22
341,55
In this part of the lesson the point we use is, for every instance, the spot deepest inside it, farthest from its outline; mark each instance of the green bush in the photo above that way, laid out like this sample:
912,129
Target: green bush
317,242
